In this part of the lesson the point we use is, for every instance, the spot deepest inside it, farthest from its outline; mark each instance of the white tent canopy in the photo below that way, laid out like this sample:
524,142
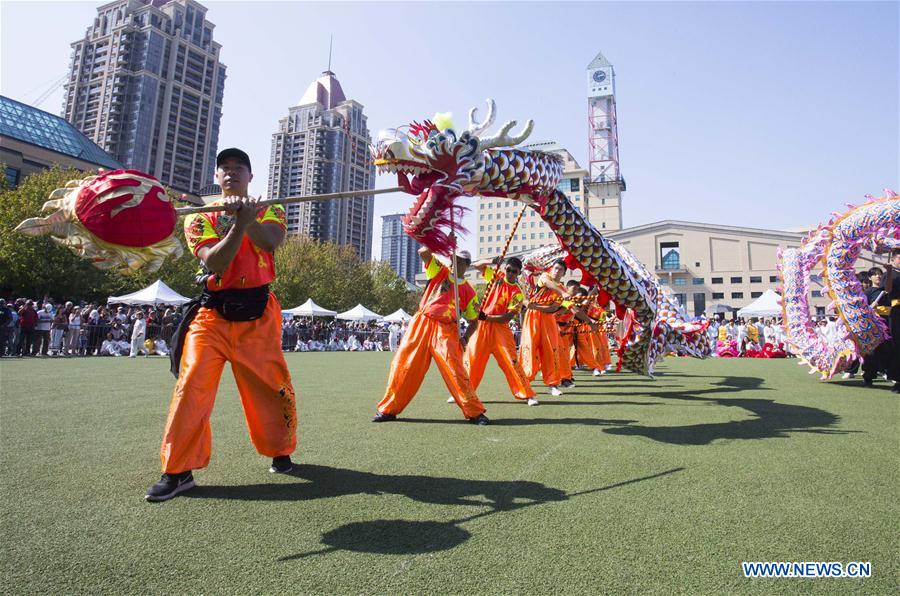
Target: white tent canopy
359,313
765,306
309,309
399,316
156,293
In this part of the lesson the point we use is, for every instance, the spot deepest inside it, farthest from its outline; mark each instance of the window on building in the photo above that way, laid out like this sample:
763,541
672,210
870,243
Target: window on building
603,224
12,176
663,281
576,185
773,279
737,295
755,294
506,227
669,255
756,279
482,229
718,295
817,293
716,280
679,281
697,281
737,280
697,264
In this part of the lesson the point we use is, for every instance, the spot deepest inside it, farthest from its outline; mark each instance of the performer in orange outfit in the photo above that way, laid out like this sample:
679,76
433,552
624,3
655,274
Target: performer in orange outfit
565,321
585,353
434,333
599,339
236,320
493,336
539,348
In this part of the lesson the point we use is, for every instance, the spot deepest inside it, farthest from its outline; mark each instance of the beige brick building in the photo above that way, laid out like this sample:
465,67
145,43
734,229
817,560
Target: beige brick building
705,264
496,216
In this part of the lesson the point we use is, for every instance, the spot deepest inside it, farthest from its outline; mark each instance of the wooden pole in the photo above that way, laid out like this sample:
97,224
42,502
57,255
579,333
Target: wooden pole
350,194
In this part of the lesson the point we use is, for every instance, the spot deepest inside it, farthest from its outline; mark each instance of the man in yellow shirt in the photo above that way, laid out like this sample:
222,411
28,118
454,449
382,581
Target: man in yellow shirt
236,320
434,334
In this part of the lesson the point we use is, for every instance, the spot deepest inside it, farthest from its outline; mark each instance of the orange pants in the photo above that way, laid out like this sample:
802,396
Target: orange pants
539,349
263,381
584,351
496,339
426,339
565,355
601,348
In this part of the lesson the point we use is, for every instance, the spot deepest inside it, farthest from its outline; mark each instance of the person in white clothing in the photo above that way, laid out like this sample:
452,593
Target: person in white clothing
110,347
138,333
394,336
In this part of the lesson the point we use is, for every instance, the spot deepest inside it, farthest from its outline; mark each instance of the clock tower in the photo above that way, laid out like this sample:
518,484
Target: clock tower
605,182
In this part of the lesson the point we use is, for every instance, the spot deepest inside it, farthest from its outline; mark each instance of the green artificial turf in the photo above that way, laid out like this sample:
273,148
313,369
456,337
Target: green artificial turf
624,484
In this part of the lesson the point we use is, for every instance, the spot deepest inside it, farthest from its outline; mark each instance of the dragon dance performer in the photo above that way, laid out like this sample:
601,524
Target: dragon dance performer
434,333
565,320
493,337
539,349
585,352
236,320
600,338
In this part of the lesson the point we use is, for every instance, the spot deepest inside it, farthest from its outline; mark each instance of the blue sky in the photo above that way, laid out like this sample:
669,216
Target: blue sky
758,114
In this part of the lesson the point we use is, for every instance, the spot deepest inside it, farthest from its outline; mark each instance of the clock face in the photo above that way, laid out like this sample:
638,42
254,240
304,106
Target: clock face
599,76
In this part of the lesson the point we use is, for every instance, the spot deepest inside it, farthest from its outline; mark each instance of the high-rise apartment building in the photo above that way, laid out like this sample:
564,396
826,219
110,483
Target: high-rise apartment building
146,85
398,249
497,216
322,146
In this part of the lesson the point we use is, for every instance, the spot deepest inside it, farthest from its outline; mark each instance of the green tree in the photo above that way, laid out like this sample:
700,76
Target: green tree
389,290
332,275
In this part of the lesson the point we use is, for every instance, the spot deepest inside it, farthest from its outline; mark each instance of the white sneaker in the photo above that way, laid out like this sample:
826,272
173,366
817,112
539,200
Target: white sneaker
450,400
845,375
555,392
884,377
533,402
597,372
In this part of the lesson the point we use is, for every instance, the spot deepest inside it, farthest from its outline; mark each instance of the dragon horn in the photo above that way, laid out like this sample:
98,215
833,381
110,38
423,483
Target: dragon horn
475,129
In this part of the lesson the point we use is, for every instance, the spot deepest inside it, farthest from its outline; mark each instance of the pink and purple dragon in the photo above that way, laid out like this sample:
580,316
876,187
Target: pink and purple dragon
835,247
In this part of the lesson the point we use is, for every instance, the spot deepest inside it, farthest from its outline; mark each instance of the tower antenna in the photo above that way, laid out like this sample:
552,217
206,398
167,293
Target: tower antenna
330,40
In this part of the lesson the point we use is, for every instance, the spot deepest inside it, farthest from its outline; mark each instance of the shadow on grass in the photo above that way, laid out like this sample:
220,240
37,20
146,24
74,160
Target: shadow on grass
773,419
523,421
324,482
403,537
552,401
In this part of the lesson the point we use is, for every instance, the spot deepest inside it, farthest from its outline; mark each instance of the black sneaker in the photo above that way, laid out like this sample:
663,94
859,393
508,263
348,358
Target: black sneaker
867,382
480,420
568,383
382,417
281,464
170,485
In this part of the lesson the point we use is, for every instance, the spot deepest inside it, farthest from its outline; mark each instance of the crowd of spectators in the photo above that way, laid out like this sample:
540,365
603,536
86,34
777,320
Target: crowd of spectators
333,335
48,328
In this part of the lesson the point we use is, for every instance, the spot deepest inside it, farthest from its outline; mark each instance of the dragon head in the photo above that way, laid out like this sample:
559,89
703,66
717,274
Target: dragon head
438,165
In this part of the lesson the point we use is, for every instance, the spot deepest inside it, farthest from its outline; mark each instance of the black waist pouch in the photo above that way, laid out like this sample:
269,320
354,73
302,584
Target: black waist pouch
233,305
237,304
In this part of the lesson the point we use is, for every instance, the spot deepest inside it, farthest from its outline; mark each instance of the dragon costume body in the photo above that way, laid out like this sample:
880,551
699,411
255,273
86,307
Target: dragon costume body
835,247
438,165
